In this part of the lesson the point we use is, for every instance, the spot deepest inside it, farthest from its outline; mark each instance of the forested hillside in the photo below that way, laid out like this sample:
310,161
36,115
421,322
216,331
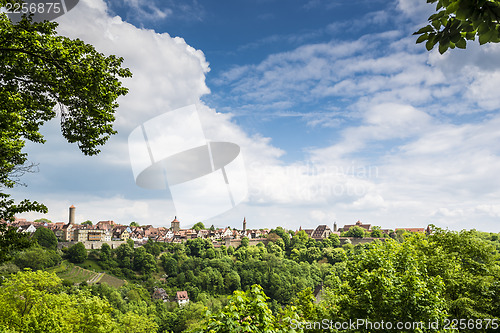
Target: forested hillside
427,282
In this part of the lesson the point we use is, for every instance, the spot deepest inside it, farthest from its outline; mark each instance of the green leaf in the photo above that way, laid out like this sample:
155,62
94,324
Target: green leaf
461,44
483,28
430,43
462,13
443,47
436,24
487,37
452,8
437,15
470,35
427,28
422,38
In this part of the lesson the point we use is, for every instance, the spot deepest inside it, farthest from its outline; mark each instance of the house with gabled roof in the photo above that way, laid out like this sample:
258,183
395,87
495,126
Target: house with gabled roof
121,232
202,233
160,294
170,234
137,235
226,233
309,232
106,225
411,229
29,228
367,227
321,232
182,297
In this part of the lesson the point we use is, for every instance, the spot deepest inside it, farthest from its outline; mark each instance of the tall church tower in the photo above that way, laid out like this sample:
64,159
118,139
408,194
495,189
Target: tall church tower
175,225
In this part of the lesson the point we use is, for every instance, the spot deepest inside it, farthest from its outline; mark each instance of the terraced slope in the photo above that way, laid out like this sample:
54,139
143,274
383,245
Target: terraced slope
77,275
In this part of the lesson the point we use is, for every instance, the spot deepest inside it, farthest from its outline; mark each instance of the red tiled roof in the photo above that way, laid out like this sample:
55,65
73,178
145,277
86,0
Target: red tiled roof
181,295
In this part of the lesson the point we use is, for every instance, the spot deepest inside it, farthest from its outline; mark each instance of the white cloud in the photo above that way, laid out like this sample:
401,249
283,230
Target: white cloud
168,73
148,10
418,11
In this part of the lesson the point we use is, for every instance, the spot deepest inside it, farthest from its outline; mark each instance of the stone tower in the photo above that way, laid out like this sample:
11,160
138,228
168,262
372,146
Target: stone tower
335,226
244,224
175,225
72,214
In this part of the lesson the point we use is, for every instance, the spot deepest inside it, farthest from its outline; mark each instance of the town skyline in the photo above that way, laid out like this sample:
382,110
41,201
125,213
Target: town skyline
180,225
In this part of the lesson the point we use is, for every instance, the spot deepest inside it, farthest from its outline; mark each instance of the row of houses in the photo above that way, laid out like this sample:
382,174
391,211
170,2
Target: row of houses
323,231
107,231
368,227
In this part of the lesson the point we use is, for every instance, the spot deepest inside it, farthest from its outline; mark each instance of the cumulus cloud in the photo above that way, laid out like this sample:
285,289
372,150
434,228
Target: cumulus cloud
168,73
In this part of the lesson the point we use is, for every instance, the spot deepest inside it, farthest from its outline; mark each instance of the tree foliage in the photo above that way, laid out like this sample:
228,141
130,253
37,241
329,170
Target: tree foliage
424,279
199,226
143,261
12,241
39,71
35,302
457,21
249,312
387,282
77,253
37,258
46,238
355,231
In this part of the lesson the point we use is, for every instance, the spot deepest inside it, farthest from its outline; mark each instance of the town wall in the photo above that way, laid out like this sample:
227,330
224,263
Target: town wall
95,245
237,242
356,241
92,245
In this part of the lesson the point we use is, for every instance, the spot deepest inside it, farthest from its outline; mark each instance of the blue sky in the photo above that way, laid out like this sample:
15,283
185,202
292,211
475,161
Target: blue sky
340,116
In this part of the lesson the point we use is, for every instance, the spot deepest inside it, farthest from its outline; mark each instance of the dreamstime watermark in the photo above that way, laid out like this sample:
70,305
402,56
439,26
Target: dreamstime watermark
310,169
40,10
310,181
365,324
170,152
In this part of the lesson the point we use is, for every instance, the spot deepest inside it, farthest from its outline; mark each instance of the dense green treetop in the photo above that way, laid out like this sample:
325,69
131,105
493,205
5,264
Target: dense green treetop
249,312
46,238
12,241
355,231
36,302
43,220
199,226
43,74
457,21
77,253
